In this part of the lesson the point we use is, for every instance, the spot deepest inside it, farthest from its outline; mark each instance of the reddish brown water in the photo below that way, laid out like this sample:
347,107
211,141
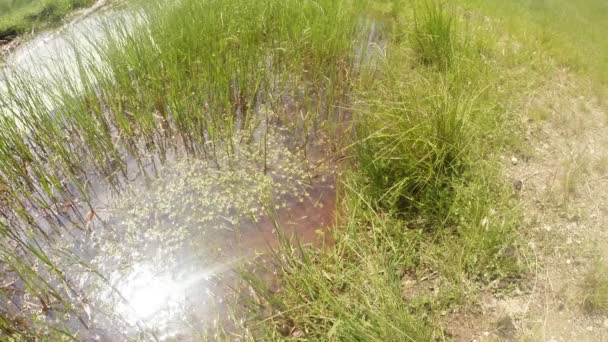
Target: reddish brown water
173,276
308,221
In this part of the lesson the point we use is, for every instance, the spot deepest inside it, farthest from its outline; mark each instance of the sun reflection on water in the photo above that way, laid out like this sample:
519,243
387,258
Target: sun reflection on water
161,298
148,293
153,296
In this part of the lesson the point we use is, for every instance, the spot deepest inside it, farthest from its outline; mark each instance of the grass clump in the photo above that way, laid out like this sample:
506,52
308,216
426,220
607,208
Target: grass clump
412,163
433,34
595,289
425,146
424,203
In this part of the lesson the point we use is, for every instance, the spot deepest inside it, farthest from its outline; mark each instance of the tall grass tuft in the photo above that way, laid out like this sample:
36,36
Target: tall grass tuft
433,34
412,164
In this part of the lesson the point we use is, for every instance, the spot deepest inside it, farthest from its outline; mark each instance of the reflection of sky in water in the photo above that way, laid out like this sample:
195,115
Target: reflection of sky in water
50,58
162,299
56,50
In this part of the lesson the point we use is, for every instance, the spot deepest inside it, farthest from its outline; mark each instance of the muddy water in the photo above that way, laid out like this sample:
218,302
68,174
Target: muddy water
157,261
169,246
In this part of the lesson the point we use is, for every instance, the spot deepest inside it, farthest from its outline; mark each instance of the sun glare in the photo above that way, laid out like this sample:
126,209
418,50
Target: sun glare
149,293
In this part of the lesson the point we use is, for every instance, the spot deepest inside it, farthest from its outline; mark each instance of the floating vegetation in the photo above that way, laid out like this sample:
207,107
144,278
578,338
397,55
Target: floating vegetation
200,202
179,230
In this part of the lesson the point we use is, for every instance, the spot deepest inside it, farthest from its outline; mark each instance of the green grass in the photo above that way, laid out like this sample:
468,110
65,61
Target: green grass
184,85
433,34
572,31
424,196
21,16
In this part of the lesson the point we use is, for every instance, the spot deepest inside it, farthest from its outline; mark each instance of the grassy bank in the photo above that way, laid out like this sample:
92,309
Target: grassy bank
22,16
420,115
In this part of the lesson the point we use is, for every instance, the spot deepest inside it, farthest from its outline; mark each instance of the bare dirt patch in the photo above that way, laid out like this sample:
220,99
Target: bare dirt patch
564,195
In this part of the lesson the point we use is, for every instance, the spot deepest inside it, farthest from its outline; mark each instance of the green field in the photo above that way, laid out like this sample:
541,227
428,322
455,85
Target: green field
21,16
417,119
572,31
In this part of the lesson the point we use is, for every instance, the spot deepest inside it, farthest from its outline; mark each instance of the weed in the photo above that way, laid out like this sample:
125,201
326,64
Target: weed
595,288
